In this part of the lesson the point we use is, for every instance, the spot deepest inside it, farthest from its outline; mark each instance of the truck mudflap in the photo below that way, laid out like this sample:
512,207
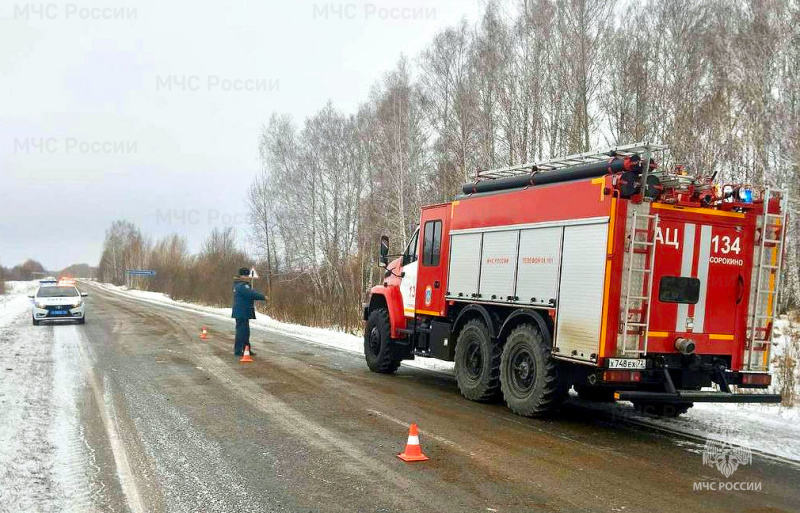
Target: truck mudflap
694,396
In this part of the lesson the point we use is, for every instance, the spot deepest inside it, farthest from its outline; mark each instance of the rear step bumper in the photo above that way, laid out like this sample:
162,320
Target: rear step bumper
692,396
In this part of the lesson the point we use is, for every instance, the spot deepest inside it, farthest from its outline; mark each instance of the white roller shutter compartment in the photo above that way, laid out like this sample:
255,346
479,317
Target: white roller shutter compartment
580,301
465,262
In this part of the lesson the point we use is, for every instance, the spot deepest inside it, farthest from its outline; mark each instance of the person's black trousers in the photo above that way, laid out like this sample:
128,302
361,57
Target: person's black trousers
242,335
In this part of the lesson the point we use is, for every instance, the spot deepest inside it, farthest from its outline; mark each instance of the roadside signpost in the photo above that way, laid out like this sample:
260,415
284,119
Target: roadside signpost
138,272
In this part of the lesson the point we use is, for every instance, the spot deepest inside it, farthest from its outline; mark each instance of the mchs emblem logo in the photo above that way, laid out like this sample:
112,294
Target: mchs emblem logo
720,453
428,295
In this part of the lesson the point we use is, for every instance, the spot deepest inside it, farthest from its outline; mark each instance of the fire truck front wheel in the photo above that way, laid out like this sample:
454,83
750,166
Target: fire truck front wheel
477,362
530,377
377,338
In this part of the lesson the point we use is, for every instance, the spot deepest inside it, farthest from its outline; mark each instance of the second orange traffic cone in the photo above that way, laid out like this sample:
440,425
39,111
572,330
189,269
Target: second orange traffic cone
413,450
203,333
246,356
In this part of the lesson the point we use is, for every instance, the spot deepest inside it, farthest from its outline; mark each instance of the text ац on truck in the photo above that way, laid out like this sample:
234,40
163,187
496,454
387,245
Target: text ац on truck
597,270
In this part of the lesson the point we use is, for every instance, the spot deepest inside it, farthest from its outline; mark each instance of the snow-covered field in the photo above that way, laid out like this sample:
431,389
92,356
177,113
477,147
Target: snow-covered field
770,429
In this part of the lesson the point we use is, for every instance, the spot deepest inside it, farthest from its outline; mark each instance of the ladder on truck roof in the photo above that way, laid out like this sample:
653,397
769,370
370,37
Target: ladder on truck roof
767,283
636,321
645,149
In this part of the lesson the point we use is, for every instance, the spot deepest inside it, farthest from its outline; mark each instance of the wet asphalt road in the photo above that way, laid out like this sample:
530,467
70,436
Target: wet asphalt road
178,424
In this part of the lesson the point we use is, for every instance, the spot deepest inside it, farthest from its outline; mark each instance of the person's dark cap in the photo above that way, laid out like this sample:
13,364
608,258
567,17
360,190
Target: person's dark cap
244,271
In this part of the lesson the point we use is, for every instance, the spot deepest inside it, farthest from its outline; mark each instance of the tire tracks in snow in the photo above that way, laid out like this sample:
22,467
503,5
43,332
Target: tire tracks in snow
47,462
75,466
105,407
26,451
321,438
48,465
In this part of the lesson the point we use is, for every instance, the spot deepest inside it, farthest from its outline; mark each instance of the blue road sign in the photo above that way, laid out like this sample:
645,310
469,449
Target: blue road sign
140,272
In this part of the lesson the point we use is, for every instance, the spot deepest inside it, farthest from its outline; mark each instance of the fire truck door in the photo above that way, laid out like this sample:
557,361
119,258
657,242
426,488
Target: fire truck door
722,300
699,279
433,260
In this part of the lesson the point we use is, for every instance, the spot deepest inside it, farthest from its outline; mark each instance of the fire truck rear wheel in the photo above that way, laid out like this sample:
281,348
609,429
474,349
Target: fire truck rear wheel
531,380
376,343
477,362
662,409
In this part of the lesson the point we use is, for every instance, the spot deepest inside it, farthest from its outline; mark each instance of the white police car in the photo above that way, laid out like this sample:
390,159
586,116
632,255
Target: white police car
58,301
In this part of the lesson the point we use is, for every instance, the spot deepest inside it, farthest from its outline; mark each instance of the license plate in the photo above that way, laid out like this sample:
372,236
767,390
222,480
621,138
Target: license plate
59,312
627,363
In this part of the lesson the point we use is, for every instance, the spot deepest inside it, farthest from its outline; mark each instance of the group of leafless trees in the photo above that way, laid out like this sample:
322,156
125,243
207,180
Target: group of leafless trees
27,270
32,269
204,277
713,79
716,80
786,377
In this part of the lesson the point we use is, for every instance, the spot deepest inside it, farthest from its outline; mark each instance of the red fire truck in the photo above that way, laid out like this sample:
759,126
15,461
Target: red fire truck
597,270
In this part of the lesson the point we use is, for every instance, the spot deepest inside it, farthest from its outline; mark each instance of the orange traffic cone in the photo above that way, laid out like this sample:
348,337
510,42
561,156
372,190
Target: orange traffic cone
203,333
413,450
246,356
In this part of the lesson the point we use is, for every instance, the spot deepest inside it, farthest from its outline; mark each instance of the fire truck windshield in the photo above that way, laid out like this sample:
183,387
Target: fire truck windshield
410,254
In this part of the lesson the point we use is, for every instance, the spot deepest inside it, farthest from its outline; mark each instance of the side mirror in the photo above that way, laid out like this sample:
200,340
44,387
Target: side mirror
384,259
84,294
30,296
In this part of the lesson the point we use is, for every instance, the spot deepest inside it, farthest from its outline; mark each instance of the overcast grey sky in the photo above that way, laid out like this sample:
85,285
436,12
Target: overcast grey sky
150,110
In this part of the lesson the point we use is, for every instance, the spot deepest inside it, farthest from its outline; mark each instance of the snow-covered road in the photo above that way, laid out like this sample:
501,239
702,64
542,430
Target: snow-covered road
770,429
133,412
47,461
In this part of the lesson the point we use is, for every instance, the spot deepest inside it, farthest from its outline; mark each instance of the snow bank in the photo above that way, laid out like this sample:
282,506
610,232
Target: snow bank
770,429
15,300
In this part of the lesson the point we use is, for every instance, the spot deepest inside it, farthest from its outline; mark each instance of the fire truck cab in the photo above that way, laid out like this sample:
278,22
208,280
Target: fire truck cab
597,271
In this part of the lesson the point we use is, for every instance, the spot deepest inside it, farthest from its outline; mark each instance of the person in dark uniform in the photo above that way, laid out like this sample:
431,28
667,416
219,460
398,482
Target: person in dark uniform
243,310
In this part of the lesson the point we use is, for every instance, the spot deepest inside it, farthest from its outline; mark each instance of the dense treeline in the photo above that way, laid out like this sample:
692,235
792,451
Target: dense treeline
22,272
205,277
79,271
713,79
27,270
32,269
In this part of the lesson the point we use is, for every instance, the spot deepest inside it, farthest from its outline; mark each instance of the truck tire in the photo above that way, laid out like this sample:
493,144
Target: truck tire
593,393
477,362
377,338
531,379
669,410
36,323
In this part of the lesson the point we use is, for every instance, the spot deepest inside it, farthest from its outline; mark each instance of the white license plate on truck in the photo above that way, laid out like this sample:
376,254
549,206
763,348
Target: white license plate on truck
627,363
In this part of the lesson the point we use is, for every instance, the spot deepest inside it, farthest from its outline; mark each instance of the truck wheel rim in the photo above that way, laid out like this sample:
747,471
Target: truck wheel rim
523,372
375,340
474,363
